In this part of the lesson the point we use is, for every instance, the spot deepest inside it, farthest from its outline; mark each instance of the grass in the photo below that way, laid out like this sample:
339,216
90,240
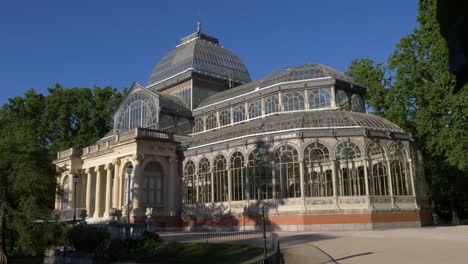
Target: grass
202,253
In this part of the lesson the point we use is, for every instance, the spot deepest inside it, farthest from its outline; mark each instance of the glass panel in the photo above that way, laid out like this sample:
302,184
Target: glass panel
138,111
357,103
319,98
271,104
293,101
318,169
342,99
287,172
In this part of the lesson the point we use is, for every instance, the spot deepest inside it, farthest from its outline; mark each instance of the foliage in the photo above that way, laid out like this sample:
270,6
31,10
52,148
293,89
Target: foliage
419,97
88,239
32,129
150,249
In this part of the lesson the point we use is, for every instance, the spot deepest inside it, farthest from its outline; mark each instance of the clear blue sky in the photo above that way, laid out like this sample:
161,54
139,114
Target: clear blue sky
85,43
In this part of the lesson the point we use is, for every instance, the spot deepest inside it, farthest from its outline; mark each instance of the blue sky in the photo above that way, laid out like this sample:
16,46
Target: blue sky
85,43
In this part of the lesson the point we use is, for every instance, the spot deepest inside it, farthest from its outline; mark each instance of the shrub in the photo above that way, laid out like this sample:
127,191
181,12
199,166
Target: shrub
88,239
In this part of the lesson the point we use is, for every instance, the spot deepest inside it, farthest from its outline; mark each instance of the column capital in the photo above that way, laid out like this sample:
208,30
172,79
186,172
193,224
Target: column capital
89,170
138,158
107,166
116,162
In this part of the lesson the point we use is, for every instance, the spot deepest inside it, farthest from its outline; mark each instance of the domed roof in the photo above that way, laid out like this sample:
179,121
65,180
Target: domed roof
200,53
324,119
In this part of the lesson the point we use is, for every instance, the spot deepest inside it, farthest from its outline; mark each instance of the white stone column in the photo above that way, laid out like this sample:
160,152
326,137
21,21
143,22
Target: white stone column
248,181
212,184
97,201
89,181
115,186
335,183
137,186
366,177
229,183
171,192
413,189
108,168
301,173
390,187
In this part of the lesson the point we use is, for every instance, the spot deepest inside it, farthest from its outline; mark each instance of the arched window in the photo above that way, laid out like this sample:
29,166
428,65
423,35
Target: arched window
287,172
319,179
255,109
66,192
350,170
293,101
190,183
199,125
225,117
138,110
271,104
237,176
342,99
239,113
211,121
220,179
357,103
399,169
260,173
378,174
204,181
152,184
128,181
319,98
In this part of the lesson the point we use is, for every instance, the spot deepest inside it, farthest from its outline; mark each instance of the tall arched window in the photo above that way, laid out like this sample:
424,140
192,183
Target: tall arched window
319,98
66,192
255,109
128,181
287,172
225,117
211,121
271,104
319,179
350,170
237,176
152,184
293,101
378,173
239,113
399,168
260,173
220,179
357,104
138,110
342,99
204,181
190,183
199,125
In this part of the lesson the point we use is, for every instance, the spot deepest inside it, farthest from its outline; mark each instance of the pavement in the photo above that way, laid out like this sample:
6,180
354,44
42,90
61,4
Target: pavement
428,245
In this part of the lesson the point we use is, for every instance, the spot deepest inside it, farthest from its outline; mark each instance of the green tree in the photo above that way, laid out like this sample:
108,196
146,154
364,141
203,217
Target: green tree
367,73
419,98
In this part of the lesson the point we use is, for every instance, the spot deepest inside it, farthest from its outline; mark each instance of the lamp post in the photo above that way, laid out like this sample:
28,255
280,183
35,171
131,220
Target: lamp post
75,182
129,173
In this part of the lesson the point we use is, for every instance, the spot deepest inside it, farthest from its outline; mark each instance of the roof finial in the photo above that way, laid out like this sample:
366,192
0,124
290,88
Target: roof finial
198,25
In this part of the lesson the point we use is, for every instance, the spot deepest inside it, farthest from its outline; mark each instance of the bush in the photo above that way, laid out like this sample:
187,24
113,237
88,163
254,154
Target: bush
88,239
140,248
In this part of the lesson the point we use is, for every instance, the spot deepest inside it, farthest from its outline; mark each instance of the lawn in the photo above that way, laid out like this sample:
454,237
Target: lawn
201,253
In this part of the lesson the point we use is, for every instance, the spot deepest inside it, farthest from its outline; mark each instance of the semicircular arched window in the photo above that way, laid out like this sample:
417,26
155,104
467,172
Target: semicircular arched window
378,173
238,176
271,104
357,104
399,170
139,110
190,183
204,181
319,98
199,125
225,117
255,109
350,170
319,180
211,121
287,172
261,173
220,179
239,113
342,99
293,101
